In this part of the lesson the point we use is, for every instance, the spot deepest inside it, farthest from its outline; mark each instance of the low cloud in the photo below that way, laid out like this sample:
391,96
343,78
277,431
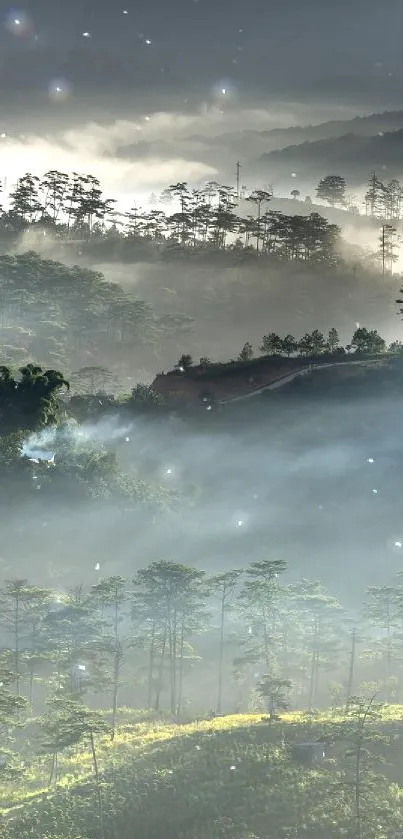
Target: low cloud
152,150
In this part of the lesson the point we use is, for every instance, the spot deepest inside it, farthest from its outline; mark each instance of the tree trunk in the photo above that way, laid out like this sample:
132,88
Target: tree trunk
160,673
358,791
116,665
179,702
151,669
99,794
17,647
350,682
312,678
116,670
221,657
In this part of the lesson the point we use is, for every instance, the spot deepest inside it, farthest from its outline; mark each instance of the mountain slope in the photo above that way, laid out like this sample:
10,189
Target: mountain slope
279,138
351,155
230,778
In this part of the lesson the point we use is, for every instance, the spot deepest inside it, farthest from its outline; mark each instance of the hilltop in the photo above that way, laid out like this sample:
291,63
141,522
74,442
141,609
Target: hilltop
234,777
350,154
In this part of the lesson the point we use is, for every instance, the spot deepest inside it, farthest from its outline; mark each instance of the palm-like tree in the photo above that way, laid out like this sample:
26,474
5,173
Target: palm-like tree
28,402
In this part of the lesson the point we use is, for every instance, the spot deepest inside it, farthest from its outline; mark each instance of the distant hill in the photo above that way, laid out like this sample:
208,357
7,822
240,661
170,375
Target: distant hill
250,141
367,126
351,155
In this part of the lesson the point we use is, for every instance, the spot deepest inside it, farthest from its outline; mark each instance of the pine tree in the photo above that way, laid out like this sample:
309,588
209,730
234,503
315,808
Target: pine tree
111,596
223,587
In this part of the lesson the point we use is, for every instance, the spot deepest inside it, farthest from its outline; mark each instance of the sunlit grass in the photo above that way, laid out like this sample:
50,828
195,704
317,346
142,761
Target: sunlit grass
139,734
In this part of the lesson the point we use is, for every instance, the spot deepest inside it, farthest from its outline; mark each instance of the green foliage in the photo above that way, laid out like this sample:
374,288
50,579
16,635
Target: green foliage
28,402
10,703
333,340
332,189
367,341
272,344
67,723
224,777
246,353
275,693
144,396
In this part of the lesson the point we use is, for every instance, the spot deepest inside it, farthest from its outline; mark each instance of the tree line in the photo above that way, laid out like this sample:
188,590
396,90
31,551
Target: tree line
75,208
239,640
382,200
363,342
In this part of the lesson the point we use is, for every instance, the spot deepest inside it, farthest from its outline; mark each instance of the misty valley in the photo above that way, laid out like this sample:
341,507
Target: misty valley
200,503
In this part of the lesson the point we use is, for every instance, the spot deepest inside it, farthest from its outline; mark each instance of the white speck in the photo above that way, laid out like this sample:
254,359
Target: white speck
59,89
232,768
81,666
375,491
293,174
125,12
87,35
97,566
147,119
3,135
147,42
370,460
17,23
198,748
239,523
223,91
380,133
127,439
170,772
398,544
208,408
169,471
357,323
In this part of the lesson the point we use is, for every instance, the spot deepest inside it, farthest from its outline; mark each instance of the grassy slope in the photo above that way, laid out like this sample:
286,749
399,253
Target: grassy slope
230,777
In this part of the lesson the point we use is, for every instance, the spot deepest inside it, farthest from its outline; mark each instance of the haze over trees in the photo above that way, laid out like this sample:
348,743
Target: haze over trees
332,189
74,208
171,664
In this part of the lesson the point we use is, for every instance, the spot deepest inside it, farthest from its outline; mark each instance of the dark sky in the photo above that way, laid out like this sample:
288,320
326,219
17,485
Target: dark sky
160,67
290,48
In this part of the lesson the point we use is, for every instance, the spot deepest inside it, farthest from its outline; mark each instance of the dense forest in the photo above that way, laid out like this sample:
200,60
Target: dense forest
177,642
72,317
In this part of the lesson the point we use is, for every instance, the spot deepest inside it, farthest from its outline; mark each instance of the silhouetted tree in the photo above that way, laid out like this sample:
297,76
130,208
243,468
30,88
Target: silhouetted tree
185,363
332,189
246,353
272,344
367,341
